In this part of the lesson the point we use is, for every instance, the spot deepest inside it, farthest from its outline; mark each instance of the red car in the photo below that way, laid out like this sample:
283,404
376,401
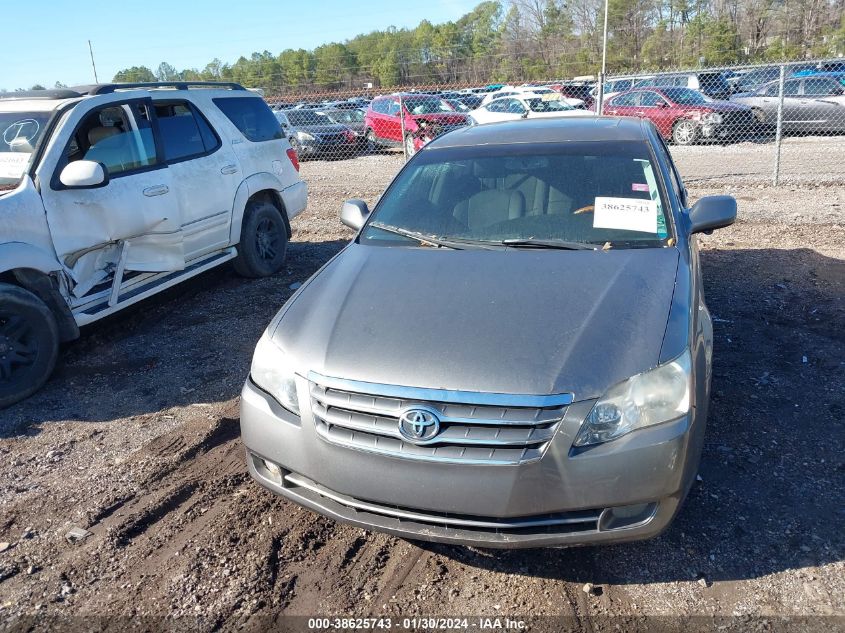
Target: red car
684,115
425,117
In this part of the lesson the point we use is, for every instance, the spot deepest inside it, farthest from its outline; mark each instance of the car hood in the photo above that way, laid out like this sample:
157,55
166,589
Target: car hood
500,321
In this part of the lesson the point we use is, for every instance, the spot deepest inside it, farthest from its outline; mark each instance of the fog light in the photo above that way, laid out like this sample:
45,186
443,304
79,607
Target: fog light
626,516
274,470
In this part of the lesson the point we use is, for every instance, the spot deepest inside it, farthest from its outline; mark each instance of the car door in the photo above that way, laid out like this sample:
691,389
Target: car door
791,105
392,125
624,104
655,108
133,220
818,108
205,171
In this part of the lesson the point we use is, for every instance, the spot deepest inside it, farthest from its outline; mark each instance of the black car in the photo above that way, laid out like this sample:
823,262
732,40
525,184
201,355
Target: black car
312,134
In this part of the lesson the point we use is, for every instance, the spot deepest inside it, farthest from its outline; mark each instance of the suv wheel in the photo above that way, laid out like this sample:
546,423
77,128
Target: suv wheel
685,132
410,148
29,344
264,241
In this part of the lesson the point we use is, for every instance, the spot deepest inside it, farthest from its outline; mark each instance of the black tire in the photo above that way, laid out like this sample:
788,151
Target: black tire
29,344
264,240
685,132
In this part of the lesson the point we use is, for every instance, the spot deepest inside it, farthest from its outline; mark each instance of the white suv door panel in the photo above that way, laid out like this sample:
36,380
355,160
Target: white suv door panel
206,180
134,220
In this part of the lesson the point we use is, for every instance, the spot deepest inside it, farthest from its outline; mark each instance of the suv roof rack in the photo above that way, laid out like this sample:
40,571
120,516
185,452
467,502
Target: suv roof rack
60,93
102,89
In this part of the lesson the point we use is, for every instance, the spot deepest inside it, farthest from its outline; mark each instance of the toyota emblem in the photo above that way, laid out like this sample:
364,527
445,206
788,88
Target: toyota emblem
418,425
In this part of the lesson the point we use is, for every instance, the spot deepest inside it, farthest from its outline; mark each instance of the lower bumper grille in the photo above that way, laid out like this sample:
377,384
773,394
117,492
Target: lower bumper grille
469,432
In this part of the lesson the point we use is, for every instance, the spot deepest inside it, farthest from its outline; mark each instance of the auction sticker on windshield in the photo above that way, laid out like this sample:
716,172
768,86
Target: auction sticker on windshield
12,164
628,214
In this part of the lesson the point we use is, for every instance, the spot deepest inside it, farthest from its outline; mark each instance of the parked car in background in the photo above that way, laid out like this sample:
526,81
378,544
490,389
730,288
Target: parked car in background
514,350
315,134
814,103
756,77
525,106
352,119
710,83
577,90
512,91
684,116
421,118
613,87
112,193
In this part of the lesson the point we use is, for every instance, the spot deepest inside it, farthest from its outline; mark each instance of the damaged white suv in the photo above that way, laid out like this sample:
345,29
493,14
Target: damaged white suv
112,193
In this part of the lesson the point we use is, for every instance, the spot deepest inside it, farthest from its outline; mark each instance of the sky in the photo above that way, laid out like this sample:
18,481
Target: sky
188,34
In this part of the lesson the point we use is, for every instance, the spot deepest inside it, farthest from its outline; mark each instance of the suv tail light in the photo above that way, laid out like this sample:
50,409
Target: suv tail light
294,159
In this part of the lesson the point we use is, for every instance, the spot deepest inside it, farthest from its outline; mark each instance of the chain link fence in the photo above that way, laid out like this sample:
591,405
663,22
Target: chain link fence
765,123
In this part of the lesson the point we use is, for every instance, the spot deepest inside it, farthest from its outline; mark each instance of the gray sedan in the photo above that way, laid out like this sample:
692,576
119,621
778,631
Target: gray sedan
514,351
810,104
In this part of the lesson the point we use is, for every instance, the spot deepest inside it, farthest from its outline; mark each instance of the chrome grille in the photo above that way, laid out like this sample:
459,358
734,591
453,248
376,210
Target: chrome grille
474,428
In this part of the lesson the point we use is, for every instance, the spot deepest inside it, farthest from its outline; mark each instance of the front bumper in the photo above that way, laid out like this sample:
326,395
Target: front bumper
564,498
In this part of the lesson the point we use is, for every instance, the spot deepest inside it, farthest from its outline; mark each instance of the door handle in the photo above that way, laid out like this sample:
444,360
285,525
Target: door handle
156,190
640,113
228,169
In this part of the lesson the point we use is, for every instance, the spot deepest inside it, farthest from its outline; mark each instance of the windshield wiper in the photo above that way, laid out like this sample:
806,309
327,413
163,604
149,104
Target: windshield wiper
420,237
556,244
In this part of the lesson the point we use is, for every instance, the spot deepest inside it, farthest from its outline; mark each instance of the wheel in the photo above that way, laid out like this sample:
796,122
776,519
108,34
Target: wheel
294,143
685,132
264,240
759,115
410,148
372,143
29,344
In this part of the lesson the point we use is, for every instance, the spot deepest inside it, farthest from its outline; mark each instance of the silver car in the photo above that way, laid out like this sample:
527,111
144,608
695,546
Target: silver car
514,351
814,103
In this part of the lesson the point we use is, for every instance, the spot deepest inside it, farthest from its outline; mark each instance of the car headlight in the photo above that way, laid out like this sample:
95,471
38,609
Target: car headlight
652,397
713,117
305,136
272,372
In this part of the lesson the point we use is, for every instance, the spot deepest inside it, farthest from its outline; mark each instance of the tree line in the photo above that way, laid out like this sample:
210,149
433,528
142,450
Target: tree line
522,40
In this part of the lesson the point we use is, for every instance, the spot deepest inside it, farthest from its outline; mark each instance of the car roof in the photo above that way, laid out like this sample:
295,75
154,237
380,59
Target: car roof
555,130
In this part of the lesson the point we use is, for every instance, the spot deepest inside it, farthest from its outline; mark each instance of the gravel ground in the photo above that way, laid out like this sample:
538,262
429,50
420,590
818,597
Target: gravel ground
136,440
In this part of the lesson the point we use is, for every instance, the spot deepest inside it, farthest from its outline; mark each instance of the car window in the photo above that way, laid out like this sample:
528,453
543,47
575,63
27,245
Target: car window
627,99
499,105
393,108
252,117
515,107
184,132
19,136
650,99
118,136
790,88
542,191
773,90
307,117
819,87
618,86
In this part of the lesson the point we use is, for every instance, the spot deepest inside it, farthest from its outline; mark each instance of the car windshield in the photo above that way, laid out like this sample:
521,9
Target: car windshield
548,105
685,96
586,192
426,105
20,134
346,116
307,117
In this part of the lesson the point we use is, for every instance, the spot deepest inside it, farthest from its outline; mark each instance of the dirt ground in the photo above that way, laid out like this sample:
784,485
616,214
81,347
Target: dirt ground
136,439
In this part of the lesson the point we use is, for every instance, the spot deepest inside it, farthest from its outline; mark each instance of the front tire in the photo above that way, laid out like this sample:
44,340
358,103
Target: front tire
410,148
685,132
29,344
372,142
264,241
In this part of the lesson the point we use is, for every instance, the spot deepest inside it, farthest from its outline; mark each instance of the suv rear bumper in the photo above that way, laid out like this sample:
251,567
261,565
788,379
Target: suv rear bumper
625,490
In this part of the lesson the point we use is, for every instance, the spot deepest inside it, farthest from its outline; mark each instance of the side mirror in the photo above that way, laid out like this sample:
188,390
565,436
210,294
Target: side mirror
86,174
354,213
712,212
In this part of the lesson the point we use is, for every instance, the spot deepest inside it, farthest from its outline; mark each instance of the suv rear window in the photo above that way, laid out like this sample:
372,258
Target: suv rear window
252,117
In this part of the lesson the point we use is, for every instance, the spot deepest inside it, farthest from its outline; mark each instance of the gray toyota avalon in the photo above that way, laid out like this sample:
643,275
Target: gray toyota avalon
514,351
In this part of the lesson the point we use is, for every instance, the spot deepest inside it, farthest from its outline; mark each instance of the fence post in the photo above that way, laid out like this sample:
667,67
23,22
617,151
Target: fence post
600,95
402,125
779,130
